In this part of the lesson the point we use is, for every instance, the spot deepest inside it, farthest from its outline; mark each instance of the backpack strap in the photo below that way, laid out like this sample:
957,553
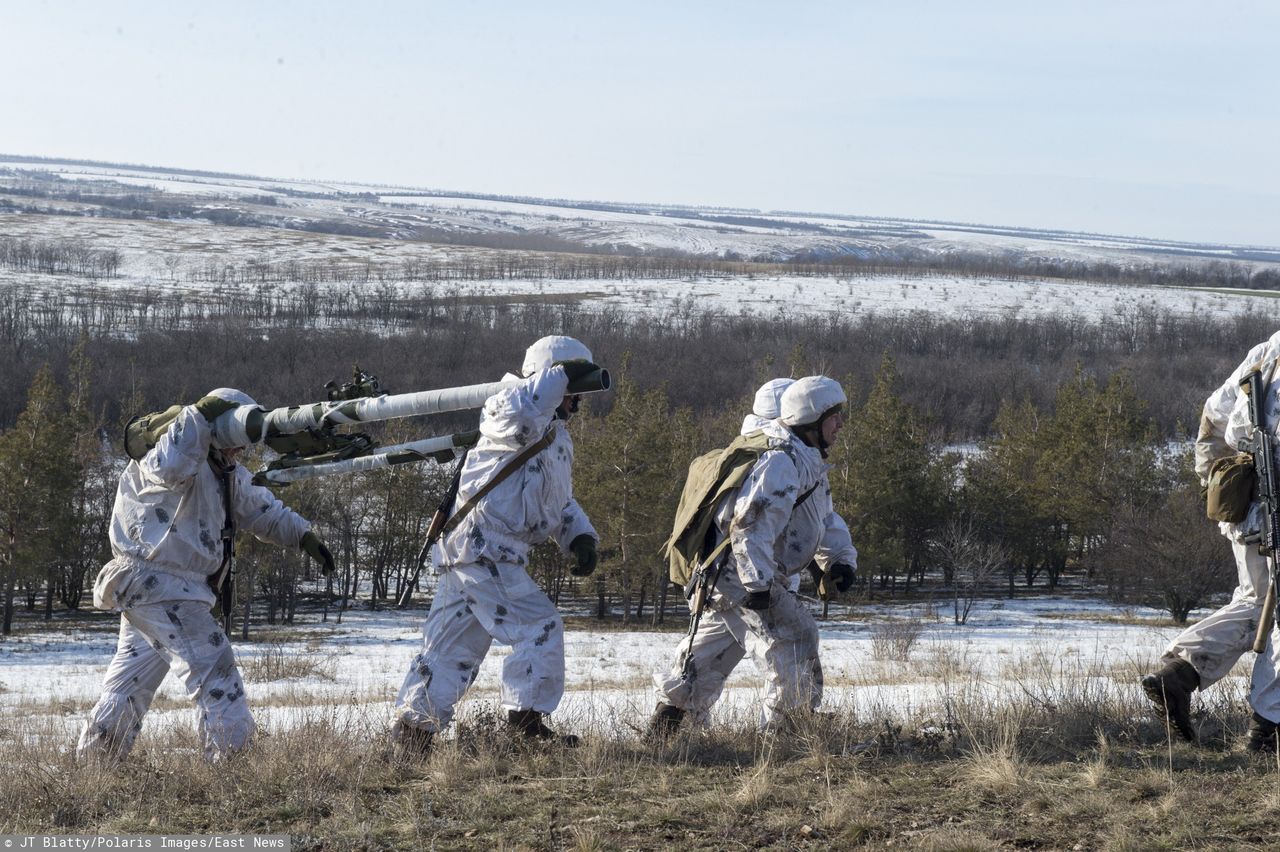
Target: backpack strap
719,548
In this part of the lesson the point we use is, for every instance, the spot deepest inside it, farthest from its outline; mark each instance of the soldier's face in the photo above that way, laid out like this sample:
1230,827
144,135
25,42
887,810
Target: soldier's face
831,427
569,405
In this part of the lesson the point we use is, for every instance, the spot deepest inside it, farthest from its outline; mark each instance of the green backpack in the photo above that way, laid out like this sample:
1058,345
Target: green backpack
710,477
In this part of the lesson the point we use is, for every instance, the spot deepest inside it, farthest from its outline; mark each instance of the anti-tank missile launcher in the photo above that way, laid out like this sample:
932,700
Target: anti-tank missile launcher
306,438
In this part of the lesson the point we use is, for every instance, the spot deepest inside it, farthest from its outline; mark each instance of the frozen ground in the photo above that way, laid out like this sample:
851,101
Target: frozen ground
399,211
1041,648
159,257
292,231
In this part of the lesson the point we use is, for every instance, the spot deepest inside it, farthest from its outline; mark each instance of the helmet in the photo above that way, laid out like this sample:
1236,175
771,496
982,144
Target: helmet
231,428
809,399
768,403
547,350
239,397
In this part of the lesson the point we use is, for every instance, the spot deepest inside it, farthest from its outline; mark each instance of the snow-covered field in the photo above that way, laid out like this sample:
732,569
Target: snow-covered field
700,230
1042,648
307,224
159,257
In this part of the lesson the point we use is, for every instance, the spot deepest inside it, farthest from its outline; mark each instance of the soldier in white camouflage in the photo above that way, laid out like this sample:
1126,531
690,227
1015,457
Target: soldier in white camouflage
1205,652
777,521
170,511
484,593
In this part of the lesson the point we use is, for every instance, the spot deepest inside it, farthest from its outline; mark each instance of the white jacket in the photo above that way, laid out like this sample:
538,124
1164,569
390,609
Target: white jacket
770,538
531,505
837,544
167,520
1225,427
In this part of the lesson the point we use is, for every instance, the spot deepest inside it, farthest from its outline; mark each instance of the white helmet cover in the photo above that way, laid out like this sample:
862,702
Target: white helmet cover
231,428
809,398
768,402
239,397
547,350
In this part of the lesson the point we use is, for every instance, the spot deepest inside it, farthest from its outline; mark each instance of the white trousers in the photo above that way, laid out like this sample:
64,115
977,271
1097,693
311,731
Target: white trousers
153,638
1214,645
782,641
475,605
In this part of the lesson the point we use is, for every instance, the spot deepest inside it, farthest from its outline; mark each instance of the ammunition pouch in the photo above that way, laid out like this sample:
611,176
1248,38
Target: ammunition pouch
1232,481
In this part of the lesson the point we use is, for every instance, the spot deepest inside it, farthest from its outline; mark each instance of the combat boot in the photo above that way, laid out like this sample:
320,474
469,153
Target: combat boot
410,743
1261,738
528,725
664,722
1170,691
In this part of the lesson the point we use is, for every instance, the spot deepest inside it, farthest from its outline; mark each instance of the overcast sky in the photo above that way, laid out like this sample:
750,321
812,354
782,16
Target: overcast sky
1156,119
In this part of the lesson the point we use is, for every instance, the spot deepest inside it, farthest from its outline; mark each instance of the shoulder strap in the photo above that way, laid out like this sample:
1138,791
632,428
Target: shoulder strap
511,467
805,496
719,548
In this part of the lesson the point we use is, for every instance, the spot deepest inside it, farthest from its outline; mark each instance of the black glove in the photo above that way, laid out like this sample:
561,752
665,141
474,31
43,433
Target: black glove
211,407
757,600
842,575
314,547
584,550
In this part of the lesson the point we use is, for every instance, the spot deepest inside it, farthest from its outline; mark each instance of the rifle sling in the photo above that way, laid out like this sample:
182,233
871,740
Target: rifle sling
511,467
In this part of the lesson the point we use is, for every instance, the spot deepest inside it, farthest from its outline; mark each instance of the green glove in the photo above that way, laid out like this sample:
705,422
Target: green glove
577,369
212,407
314,547
584,550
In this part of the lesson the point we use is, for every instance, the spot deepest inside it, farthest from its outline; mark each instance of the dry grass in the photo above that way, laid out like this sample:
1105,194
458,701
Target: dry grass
275,662
894,639
968,772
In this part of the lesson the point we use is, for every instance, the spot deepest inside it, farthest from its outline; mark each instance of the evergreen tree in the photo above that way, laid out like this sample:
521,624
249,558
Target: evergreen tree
999,487
886,482
85,515
628,480
34,467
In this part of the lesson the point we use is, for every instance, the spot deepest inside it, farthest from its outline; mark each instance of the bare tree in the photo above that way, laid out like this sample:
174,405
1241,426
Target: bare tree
971,562
1168,554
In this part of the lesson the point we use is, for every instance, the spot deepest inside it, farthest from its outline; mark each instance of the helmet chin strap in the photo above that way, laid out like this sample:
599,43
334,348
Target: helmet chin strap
811,436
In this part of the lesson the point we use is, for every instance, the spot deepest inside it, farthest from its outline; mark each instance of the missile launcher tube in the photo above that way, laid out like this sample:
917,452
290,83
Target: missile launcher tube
406,453
285,421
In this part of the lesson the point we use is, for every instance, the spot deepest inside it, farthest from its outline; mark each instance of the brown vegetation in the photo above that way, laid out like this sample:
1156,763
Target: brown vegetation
1017,775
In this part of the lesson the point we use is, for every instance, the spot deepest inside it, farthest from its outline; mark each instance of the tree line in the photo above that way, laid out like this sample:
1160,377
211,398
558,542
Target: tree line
1082,489
285,344
58,257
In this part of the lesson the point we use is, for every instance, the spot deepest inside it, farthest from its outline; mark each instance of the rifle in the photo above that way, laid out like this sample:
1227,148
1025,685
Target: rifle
702,584
1262,447
223,580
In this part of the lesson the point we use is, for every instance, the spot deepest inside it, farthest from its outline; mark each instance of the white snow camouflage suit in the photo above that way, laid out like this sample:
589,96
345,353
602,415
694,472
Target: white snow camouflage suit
1214,645
772,541
484,592
165,540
